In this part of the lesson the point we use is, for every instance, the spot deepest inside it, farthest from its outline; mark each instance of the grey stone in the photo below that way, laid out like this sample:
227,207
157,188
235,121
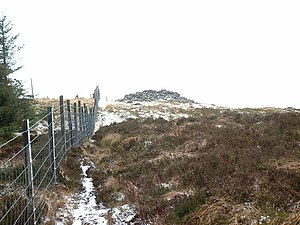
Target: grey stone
152,95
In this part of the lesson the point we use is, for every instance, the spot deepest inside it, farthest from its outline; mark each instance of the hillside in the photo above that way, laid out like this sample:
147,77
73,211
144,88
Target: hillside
178,162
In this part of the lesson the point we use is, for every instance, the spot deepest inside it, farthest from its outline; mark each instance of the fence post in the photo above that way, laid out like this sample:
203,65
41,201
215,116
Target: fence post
96,102
91,124
92,120
80,121
84,120
87,121
29,174
62,124
70,141
51,138
75,125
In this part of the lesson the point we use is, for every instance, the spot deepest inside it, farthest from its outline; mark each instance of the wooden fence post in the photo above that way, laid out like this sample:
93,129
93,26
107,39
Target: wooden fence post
84,120
29,187
70,141
62,124
75,125
91,122
80,122
51,138
96,102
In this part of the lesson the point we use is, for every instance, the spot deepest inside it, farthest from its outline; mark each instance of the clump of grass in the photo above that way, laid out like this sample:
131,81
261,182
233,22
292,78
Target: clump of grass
69,173
188,206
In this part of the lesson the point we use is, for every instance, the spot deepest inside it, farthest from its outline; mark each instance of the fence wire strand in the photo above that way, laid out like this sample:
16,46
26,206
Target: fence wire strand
11,140
39,121
30,170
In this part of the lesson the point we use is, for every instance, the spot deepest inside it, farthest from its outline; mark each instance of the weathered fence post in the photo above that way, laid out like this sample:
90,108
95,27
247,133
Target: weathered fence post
29,174
80,121
87,121
83,123
51,138
62,124
91,122
84,120
70,141
75,125
96,102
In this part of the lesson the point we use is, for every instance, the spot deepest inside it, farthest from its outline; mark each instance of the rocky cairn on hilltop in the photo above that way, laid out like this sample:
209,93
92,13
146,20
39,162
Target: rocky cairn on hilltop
152,95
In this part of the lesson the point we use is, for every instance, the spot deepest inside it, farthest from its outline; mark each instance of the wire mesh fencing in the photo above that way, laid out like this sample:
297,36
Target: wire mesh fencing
33,157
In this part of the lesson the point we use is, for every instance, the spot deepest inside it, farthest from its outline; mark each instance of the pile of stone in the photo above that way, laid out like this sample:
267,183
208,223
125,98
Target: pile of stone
151,95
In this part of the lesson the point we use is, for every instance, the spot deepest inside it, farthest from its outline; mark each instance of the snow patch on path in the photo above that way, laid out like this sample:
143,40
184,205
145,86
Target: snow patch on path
84,209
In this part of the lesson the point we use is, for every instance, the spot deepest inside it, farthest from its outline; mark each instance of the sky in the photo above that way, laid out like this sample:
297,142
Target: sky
233,53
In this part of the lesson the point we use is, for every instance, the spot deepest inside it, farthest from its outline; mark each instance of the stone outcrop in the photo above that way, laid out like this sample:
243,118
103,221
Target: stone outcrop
151,95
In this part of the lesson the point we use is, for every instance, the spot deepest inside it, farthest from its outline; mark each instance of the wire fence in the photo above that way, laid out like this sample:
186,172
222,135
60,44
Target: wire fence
29,168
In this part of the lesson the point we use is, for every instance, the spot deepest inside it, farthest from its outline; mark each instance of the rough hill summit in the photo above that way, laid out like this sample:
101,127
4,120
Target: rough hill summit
152,95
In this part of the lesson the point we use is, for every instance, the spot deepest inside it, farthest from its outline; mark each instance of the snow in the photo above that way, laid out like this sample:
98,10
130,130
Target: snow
147,143
108,118
123,215
165,185
117,112
264,219
85,210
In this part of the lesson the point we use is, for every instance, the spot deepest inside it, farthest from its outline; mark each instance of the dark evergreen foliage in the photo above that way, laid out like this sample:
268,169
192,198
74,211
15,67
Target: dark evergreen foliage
15,105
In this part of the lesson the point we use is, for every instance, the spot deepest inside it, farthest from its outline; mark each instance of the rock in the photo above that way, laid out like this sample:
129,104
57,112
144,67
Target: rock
151,95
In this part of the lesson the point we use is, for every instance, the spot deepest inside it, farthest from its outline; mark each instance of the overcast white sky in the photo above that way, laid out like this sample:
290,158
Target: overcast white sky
229,53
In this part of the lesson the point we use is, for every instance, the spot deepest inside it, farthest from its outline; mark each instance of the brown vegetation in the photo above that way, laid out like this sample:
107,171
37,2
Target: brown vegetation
224,167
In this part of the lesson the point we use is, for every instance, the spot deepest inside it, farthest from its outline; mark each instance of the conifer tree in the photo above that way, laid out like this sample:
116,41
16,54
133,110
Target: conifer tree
14,105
